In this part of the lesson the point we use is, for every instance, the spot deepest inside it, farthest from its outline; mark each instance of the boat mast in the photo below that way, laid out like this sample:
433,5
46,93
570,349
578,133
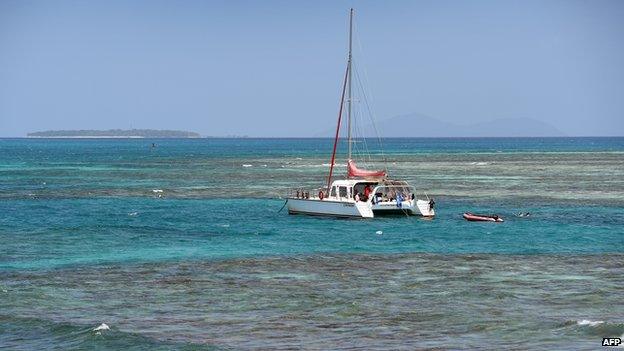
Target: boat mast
349,92
347,77
333,158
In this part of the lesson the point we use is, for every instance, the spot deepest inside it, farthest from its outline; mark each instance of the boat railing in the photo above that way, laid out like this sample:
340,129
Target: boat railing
300,193
303,193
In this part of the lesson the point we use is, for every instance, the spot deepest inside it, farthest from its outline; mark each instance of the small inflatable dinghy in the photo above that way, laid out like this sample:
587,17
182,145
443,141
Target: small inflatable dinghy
482,218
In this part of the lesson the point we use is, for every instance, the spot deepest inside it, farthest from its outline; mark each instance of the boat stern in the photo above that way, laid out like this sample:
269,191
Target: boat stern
425,207
365,209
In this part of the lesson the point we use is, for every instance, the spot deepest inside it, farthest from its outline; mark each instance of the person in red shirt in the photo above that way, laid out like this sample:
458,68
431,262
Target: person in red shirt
367,192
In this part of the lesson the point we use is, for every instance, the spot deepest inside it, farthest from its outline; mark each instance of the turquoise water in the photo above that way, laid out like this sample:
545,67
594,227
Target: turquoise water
182,246
87,231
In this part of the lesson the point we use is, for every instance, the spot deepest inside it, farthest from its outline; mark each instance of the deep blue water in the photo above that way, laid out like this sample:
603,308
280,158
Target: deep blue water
37,150
82,222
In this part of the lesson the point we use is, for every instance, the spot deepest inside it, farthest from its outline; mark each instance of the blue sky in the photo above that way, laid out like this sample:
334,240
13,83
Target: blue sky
274,68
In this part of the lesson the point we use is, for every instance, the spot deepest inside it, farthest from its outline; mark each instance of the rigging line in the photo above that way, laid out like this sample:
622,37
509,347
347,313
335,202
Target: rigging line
363,93
374,124
372,119
364,151
356,149
360,152
365,71
280,210
360,84
359,44
357,129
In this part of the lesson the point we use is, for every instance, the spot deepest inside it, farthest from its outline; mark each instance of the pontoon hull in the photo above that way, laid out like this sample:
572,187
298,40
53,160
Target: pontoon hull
410,207
332,208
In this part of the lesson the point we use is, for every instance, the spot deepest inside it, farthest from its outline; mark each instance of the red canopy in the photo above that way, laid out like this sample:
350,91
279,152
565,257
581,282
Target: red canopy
354,172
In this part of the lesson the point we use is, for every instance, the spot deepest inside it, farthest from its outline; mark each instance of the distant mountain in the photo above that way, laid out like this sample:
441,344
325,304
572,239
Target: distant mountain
114,133
515,127
418,125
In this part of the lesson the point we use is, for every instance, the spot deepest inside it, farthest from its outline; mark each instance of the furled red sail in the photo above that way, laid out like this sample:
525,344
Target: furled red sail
353,171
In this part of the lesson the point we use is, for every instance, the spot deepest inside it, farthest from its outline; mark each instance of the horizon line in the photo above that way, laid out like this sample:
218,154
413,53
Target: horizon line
315,137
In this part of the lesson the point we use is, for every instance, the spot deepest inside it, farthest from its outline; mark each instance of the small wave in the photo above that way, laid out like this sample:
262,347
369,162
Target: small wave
598,328
132,214
101,327
247,165
589,323
35,334
290,165
157,190
479,163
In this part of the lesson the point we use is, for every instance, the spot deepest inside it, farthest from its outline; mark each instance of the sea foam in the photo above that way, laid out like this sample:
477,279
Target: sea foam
101,327
589,323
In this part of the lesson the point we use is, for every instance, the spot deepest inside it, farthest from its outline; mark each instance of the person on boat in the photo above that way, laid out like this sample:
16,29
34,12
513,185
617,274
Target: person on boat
367,192
376,198
357,197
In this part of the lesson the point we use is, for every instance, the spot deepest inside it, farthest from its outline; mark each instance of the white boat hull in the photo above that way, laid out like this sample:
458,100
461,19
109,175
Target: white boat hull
333,208
408,207
315,206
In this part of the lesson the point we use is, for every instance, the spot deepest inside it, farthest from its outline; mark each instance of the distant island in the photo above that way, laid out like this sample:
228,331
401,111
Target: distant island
114,133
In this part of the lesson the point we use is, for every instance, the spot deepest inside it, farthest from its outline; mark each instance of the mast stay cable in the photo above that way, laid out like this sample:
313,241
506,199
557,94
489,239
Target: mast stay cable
368,104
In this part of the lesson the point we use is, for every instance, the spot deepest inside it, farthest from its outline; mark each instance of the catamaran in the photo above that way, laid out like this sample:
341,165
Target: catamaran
362,193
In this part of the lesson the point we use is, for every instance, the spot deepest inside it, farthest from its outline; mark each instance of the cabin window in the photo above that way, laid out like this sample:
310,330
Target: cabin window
333,191
342,190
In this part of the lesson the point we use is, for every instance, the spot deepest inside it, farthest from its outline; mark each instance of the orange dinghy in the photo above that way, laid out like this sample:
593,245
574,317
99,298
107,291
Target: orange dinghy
482,218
